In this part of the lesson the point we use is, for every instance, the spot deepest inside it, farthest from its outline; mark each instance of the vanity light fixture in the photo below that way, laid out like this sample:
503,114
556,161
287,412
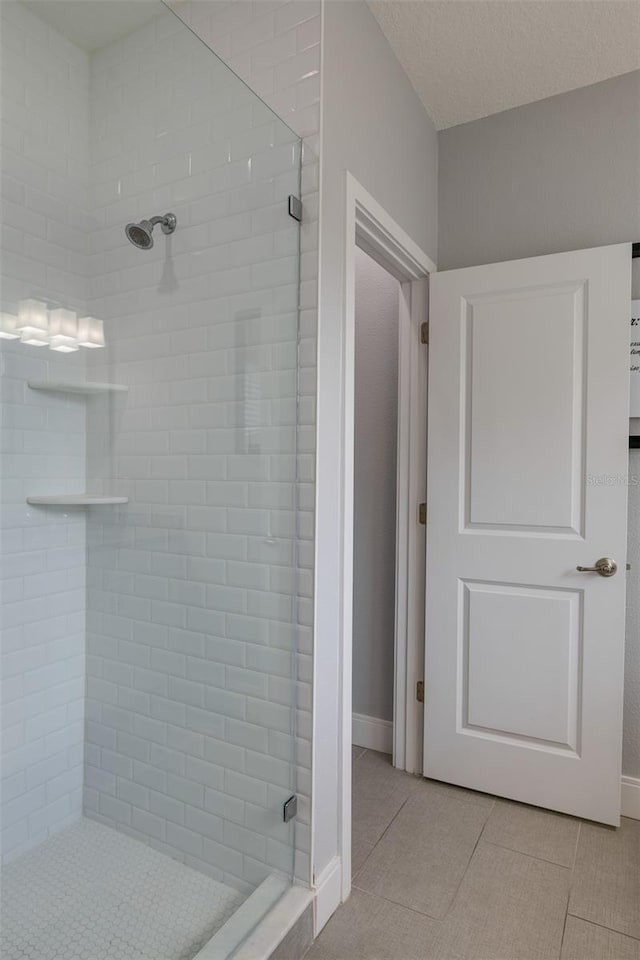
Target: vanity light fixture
90,332
8,327
63,330
33,322
59,328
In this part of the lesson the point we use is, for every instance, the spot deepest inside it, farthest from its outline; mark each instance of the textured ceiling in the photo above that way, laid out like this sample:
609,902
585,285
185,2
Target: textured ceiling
470,58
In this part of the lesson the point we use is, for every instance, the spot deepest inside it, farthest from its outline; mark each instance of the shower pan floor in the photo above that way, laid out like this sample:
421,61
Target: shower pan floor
92,893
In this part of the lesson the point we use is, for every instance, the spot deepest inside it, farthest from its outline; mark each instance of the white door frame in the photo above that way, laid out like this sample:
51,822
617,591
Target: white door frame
370,227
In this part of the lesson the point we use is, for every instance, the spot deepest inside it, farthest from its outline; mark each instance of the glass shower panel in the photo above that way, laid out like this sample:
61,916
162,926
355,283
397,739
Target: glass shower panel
191,585
149,465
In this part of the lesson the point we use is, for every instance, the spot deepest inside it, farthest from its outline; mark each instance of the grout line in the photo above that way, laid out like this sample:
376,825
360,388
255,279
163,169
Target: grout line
602,926
397,903
455,894
529,856
401,807
468,864
569,891
564,929
572,877
354,875
360,868
441,919
384,832
484,825
532,856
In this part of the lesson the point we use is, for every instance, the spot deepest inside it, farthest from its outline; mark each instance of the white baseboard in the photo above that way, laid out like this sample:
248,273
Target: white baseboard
328,894
372,733
630,806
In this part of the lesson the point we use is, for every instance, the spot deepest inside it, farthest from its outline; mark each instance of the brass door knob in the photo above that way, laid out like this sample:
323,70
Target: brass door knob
605,566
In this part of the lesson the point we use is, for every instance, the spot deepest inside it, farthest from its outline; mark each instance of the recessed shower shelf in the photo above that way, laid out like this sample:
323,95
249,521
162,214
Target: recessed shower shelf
87,388
74,500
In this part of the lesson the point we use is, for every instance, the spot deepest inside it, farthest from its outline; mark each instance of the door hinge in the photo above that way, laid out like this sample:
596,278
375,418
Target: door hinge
290,808
422,513
420,691
295,207
424,332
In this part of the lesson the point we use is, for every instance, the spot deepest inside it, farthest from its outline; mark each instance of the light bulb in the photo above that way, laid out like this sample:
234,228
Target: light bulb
90,332
33,322
63,328
8,327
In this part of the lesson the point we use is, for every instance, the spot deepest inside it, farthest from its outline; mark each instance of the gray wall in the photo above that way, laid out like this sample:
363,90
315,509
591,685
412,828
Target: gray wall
560,174
373,125
374,547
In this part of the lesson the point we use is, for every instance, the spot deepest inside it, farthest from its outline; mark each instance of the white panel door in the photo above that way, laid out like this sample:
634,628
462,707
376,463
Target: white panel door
527,460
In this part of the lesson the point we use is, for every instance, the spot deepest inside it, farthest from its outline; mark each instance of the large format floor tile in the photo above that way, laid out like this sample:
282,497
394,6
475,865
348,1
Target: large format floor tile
422,857
317,952
366,927
378,793
484,800
445,873
509,907
360,849
587,941
606,886
538,833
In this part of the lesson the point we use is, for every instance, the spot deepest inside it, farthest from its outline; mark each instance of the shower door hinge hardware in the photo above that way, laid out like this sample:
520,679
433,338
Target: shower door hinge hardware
422,513
420,691
290,808
295,207
424,332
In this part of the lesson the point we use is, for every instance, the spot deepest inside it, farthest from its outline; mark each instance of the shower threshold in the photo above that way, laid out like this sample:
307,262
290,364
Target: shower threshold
93,893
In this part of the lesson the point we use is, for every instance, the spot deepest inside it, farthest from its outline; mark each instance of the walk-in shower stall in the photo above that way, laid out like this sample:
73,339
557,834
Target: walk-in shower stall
148,341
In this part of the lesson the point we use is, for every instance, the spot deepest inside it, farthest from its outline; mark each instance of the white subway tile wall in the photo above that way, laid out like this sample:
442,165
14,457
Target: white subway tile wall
243,33
192,587
256,39
45,135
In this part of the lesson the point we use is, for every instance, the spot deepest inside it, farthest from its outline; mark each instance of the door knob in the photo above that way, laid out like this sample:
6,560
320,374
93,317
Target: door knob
606,567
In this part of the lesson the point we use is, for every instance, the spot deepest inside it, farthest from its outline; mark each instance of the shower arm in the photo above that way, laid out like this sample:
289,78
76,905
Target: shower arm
168,222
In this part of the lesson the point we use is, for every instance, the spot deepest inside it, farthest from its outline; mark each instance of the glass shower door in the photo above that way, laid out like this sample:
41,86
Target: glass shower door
191,584
150,456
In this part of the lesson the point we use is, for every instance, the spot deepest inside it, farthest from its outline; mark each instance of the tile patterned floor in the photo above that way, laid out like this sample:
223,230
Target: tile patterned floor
91,893
441,873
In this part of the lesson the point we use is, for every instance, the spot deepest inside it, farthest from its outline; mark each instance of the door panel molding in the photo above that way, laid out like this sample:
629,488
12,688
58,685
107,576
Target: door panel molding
525,343
488,710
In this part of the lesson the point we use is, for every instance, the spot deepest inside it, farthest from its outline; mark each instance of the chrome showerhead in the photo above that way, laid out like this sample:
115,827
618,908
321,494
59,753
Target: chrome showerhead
141,234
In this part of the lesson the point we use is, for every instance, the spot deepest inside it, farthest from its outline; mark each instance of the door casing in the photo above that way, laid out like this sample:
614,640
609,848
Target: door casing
370,227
